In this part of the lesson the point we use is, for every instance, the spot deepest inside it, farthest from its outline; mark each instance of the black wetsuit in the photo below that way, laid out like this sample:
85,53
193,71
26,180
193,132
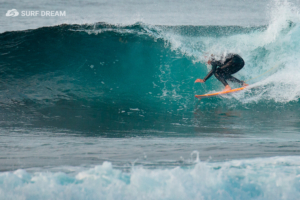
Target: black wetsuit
222,71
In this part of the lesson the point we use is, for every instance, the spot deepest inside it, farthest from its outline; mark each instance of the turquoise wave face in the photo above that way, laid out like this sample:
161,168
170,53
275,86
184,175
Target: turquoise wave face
104,77
262,178
120,75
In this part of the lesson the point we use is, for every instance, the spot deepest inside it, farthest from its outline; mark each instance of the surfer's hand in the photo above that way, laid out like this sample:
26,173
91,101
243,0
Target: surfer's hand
245,84
199,81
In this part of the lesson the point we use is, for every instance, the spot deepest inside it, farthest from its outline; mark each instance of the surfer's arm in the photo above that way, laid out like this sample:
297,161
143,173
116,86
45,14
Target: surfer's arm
212,71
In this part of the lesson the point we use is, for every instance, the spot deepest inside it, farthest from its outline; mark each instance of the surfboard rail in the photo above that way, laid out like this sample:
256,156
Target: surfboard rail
220,93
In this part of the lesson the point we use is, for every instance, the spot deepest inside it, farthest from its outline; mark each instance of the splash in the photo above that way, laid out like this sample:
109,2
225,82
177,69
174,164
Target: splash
273,49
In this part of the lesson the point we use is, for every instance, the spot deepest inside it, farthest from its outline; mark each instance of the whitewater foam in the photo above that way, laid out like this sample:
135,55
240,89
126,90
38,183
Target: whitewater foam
261,178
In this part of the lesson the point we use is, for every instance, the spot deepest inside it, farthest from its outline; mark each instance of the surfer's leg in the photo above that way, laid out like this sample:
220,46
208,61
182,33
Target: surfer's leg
233,79
231,67
220,75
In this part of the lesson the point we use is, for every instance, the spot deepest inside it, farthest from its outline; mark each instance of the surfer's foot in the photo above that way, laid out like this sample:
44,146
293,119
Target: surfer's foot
245,84
227,88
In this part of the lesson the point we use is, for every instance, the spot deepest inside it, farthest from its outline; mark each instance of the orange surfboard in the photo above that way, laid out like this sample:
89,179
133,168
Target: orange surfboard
219,93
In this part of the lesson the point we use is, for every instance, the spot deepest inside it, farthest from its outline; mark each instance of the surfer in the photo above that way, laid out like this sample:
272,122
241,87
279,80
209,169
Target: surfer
224,68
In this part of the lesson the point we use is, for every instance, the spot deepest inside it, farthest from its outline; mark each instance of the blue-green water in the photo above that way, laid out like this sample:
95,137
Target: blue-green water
107,111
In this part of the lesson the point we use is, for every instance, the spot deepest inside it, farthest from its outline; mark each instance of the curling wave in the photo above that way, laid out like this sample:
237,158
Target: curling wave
89,76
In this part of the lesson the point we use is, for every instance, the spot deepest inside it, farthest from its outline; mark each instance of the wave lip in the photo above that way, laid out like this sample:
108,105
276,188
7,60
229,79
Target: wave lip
260,178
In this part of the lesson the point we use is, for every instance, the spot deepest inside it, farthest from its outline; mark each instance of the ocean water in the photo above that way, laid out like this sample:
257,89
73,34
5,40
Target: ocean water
100,104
